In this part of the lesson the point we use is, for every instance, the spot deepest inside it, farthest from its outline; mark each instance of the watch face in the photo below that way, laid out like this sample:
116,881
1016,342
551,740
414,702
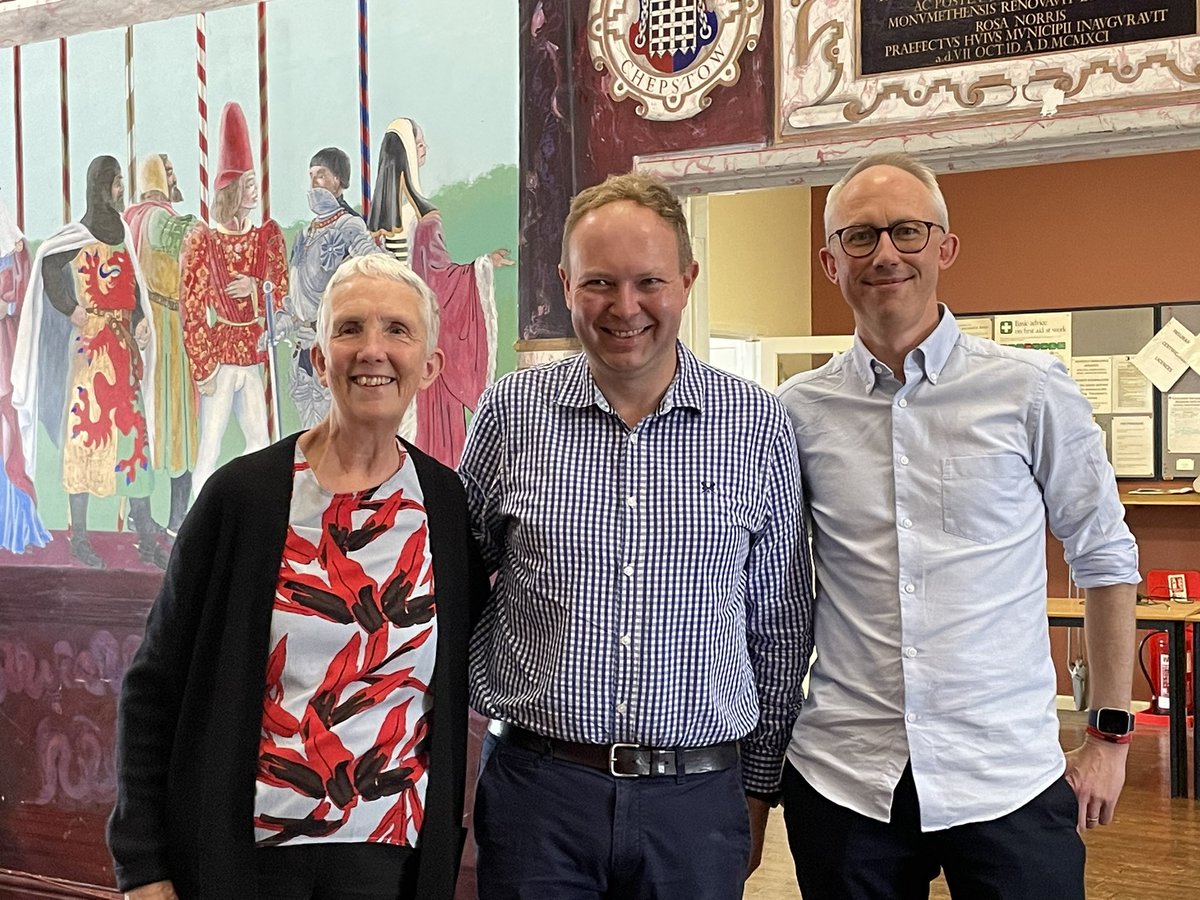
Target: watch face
1113,721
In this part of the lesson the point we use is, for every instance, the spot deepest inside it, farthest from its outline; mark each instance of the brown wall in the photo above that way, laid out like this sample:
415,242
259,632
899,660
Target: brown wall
1108,232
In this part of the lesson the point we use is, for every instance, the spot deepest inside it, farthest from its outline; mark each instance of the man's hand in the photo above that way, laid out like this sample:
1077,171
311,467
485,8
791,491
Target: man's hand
141,334
1096,771
159,890
759,810
208,386
79,317
240,287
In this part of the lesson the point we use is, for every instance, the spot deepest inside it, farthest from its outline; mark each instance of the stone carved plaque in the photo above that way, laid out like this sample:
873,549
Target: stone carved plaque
910,34
823,82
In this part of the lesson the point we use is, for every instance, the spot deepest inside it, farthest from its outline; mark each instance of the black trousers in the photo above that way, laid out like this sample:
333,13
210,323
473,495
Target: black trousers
337,871
1029,854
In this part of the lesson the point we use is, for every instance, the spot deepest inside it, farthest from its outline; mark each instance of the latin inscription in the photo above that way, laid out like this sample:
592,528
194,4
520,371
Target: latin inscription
916,34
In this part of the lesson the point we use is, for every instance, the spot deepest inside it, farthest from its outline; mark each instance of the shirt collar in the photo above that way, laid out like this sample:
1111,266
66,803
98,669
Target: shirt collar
930,356
686,389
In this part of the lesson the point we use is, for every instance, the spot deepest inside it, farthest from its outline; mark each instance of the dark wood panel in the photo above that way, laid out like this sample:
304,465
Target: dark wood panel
66,638
573,135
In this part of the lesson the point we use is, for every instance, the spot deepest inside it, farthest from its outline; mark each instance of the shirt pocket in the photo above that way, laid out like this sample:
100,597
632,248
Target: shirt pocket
982,496
714,520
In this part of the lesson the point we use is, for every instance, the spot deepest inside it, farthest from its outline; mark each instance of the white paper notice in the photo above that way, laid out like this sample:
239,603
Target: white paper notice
980,326
1094,375
1183,423
1165,358
1050,332
1131,389
1133,446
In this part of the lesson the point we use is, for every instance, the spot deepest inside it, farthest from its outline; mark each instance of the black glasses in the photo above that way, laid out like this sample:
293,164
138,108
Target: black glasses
909,236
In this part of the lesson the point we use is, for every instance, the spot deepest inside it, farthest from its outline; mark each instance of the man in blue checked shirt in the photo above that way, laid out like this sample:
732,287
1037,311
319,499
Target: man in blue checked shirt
933,463
650,622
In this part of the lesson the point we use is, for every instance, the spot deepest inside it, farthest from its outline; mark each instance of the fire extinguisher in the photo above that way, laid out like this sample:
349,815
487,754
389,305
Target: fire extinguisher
1159,673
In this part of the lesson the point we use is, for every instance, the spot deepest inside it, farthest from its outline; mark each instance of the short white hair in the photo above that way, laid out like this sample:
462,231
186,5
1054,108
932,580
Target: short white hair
385,267
905,162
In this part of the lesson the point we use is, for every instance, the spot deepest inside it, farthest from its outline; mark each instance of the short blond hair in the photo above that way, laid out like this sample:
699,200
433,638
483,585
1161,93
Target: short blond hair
644,190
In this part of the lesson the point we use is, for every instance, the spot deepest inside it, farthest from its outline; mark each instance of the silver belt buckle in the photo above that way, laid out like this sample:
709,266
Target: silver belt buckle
612,760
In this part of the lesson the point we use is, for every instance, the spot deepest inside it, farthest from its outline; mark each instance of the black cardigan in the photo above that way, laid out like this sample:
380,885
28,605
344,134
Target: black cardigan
191,705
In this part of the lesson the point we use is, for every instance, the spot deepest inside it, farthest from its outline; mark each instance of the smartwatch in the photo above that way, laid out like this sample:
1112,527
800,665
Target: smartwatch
1110,724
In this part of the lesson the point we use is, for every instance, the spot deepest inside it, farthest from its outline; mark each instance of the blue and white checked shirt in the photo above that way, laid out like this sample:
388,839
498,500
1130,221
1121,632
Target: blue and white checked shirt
653,584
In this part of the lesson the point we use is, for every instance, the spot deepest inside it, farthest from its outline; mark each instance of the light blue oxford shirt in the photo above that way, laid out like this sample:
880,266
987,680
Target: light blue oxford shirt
929,502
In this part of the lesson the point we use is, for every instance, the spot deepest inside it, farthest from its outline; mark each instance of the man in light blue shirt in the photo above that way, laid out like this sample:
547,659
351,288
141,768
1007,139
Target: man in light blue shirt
933,462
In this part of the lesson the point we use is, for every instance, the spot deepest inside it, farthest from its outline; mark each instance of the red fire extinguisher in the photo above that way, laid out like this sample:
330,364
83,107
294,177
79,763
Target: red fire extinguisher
1159,673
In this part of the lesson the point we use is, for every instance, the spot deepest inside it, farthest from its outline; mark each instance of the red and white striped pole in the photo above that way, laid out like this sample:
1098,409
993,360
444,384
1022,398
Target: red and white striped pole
202,104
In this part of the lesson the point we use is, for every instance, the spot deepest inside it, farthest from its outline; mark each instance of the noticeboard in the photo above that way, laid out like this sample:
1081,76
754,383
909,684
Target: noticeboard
1097,347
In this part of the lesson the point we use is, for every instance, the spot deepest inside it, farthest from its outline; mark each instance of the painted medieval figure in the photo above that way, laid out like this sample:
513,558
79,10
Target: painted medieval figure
85,348
158,235
223,270
409,227
335,232
20,526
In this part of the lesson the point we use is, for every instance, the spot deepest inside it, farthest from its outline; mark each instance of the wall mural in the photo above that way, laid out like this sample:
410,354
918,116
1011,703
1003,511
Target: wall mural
173,199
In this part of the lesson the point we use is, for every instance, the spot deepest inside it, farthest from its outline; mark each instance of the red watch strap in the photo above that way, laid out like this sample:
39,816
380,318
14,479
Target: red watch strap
1111,738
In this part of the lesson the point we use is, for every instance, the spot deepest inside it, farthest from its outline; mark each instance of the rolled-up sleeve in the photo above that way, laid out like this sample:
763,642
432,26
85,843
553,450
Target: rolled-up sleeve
1079,487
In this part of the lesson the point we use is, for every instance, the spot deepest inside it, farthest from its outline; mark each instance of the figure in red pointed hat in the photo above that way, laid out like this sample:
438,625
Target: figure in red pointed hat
223,269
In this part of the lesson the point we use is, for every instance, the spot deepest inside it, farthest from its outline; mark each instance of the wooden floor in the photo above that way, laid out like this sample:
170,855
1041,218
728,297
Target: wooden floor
1151,851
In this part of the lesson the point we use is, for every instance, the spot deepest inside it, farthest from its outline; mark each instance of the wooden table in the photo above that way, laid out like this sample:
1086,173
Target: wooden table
1172,618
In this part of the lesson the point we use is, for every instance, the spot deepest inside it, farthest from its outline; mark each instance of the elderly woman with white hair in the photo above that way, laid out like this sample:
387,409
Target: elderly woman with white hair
294,724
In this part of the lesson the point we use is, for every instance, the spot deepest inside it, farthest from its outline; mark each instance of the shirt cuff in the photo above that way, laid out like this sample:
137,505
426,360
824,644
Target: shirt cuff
762,771
772,799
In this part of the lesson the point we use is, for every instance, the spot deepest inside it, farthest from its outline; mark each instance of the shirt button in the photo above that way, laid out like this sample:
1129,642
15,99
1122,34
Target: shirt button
878,369
907,523
933,377
912,717
631,502
628,570
904,460
909,588
633,439
902,403
621,707
910,652
626,640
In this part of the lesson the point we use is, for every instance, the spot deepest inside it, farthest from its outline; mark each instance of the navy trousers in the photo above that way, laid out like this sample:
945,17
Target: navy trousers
1033,853
553,830
337,871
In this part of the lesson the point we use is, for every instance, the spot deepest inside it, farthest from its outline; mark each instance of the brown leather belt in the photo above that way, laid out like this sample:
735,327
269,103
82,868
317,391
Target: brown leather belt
624,760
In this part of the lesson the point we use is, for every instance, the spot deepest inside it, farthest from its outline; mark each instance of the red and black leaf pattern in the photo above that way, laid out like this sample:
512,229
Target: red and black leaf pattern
341,574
